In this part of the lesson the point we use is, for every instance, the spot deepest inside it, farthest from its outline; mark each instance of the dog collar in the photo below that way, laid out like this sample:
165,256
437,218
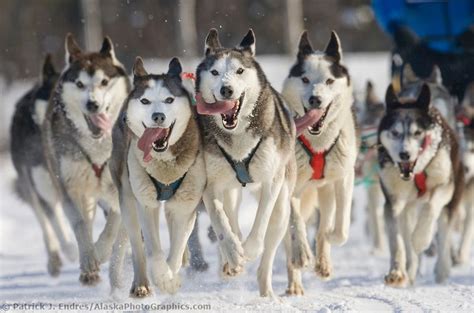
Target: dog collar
241,168
317,159
166,191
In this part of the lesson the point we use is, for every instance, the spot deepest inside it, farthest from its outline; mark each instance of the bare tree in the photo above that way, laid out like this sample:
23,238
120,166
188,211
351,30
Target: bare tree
294,22
187,27
92,24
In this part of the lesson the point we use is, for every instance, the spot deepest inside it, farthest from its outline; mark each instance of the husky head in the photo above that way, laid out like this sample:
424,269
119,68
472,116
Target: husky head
440,96
229,82
93,87
317,81
48,79
159,108
404,131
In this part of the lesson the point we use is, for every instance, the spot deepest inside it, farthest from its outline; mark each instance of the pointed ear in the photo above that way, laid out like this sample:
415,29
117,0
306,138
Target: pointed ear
212,42
48,70
175,68
304,47
333,48
108,47
435,76
248,42
72,49
408,75
138,68
390,98
424,98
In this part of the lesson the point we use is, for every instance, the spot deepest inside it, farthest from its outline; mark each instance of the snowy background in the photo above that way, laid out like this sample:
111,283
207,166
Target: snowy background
356,286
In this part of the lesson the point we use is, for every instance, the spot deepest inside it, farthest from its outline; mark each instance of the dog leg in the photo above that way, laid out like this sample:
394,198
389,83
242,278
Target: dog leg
468,229
397,276
117,259
375,212
277,228
295,285
300,253
229,243
323,267
424,229
68,246
407,224
232,200
343,190
253,245
443,261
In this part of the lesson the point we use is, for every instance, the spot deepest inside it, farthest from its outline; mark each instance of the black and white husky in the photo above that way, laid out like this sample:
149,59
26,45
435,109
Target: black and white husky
319,92
248,138
422,180
78,145
34,184
158,161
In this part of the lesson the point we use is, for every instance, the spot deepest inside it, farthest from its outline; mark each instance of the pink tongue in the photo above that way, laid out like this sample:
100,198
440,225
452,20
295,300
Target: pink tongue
218,107
311,117
150,135
102,121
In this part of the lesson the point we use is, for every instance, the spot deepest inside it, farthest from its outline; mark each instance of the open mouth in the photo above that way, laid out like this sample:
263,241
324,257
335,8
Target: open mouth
406,170
96,131
154,138
316,128
230,117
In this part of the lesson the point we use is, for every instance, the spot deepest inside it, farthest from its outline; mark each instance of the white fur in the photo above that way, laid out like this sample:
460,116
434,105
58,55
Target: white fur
40,111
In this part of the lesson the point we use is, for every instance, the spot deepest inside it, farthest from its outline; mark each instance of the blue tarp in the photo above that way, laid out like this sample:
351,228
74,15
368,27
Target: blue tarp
438,23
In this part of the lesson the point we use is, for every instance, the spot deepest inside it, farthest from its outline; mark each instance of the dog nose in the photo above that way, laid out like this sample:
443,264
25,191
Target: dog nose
226,91
315,101
405,156
158,117
92,106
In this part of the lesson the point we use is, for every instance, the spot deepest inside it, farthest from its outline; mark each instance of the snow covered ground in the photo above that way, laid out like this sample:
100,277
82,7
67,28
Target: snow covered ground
356,286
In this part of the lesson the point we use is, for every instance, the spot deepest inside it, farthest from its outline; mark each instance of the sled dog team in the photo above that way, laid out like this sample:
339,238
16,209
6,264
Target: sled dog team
171,141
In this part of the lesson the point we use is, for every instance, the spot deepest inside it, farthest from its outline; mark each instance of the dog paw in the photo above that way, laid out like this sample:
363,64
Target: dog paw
420,242
338,238
89,278
396,278
169,282
301,255
54,264
233,252
228,271
252,249
295,289
323,269
140,291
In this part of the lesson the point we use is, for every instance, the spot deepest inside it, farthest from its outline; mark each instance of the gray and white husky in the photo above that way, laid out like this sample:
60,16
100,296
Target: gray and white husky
422,180
78,145
248,138
158,161
34,184
319,92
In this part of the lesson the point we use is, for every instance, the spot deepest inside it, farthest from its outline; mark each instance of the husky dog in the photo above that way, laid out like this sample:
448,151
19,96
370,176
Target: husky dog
367,166
248,137
440,96
467,207
319,91
422,181
34,184
78,144
158,162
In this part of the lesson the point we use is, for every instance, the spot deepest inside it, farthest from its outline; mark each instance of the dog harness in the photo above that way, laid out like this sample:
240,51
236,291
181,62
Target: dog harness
317,159
241,168
420,183
98,169
163,191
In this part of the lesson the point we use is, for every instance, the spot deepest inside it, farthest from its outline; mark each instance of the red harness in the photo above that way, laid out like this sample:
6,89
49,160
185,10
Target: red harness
317,159
420,178
98,169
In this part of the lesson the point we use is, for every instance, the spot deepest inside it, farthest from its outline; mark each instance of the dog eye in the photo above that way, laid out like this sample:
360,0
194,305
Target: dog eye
79,84
169,100
214,72
395,133
145,101
329,81
104,82
305,80
240,71
417,133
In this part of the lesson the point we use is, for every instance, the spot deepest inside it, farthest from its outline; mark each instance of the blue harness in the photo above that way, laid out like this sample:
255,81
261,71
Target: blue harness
163,191
241,168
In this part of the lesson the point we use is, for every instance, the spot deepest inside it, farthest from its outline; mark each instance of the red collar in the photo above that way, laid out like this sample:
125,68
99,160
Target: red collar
420,183
98,170
317,159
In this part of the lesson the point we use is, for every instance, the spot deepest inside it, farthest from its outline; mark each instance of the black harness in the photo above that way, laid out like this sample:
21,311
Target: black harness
163,191
241,168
